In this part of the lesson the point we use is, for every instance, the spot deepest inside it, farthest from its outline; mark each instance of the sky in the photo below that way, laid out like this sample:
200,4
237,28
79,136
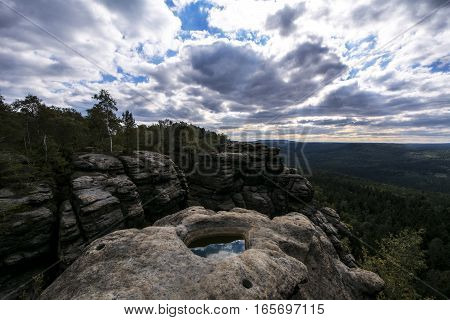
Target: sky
321,70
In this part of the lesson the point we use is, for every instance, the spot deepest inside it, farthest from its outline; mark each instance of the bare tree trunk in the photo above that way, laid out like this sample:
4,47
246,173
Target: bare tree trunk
45,147
109,134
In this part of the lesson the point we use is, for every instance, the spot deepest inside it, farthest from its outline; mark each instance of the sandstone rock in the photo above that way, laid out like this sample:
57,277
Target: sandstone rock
71,243
330,222
287,257
103,197
296,187
97,203
27,220
258,198
98,162
161,184
251,175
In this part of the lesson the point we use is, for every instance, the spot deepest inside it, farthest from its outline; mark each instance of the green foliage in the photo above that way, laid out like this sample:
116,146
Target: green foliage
103,122
180,140
375,211
129,126
419,166
38,141
398,260
16,171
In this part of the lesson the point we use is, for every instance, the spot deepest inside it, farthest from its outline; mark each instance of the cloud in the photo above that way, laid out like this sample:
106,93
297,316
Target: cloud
284,19
228,74
242,66
102,32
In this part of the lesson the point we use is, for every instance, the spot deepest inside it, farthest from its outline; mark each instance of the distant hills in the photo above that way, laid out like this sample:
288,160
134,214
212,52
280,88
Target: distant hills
419,166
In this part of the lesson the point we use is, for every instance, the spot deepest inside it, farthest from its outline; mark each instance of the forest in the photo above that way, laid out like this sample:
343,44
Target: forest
393,225
38,141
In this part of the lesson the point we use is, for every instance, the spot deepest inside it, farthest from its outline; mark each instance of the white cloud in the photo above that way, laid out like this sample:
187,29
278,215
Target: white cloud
254,82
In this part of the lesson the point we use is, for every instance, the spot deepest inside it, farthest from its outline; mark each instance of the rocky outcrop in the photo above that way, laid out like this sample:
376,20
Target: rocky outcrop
330,222
299,253
248,175
27,223
27,234
288,257
110,193
71,241
36,230
161,184
103,197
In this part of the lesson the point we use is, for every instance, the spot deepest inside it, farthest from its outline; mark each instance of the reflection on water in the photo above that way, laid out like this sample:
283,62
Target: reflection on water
220,250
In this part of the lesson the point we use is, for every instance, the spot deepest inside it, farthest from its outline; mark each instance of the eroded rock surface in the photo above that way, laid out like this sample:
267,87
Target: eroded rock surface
108,193
161,184
27,221
287,257
103,197
27,234
71,241
248,175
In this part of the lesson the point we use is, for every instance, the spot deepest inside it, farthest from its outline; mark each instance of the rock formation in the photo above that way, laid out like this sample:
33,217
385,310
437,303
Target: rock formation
294,250
247,175
27,233
27,222
161,184
288,257
109,193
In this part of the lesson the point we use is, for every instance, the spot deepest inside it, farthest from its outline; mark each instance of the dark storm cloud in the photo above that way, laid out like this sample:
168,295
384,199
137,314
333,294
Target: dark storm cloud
246,80
60,18
179,114
352,101
284,19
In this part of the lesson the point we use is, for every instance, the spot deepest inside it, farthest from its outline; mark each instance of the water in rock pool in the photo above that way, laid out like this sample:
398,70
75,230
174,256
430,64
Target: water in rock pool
220,250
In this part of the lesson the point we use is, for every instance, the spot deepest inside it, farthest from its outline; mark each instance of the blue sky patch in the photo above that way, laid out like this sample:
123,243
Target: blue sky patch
249,35
128,77
360,48
352,73
439,66
369,63
170,3
171,53
156,59
385,60
107,78
195,16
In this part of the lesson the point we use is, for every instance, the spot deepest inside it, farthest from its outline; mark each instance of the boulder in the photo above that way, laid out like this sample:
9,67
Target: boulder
295,186
288,257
